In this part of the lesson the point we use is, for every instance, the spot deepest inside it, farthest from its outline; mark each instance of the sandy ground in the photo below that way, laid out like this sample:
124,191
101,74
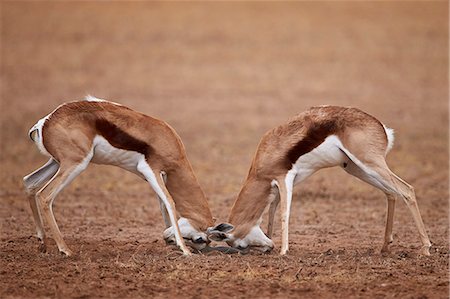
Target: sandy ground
222,74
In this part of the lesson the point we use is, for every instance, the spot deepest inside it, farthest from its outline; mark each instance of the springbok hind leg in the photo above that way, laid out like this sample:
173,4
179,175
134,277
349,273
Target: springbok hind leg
388,238
66,173
380,176
406,191
34,182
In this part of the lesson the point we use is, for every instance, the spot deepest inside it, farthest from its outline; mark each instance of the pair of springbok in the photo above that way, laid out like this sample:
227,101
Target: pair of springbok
103,132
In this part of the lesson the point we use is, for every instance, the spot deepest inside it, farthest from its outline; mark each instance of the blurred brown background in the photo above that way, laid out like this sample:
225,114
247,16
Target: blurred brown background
222,74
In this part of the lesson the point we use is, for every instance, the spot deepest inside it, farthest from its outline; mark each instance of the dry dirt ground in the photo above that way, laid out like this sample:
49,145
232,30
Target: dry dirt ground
222,74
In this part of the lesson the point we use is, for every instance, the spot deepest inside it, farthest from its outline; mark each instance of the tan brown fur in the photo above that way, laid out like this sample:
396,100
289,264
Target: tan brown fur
364,144
68,135
74,124
269,161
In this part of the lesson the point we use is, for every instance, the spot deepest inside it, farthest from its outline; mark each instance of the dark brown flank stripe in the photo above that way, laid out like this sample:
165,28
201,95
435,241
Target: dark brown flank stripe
120,139
315,135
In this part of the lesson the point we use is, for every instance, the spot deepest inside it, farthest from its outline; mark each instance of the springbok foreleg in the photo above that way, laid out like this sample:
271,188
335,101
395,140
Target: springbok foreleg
285,185
272,210
159,187
162,206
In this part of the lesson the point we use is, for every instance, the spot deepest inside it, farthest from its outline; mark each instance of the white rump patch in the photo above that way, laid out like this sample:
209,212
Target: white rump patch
38,127
390,138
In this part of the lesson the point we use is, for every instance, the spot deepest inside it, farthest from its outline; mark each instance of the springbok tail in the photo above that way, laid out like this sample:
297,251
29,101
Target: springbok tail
390,138
35,134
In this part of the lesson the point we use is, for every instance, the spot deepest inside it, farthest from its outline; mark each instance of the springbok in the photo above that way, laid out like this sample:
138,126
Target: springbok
103,132
320,137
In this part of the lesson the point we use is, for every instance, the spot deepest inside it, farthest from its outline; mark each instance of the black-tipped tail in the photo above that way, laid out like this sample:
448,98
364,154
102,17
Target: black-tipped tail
32,134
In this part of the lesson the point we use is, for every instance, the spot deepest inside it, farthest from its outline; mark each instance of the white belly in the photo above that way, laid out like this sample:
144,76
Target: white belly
327,154
105,153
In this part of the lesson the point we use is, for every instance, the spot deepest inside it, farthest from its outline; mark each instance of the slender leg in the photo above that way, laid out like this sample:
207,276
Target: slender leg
40,233
66,173
157,184
388,239
380,176
285,186
272,210
162,206
33,182
409,196
38,178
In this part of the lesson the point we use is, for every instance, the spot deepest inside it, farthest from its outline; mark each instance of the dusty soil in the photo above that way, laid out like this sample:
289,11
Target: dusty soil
222,74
